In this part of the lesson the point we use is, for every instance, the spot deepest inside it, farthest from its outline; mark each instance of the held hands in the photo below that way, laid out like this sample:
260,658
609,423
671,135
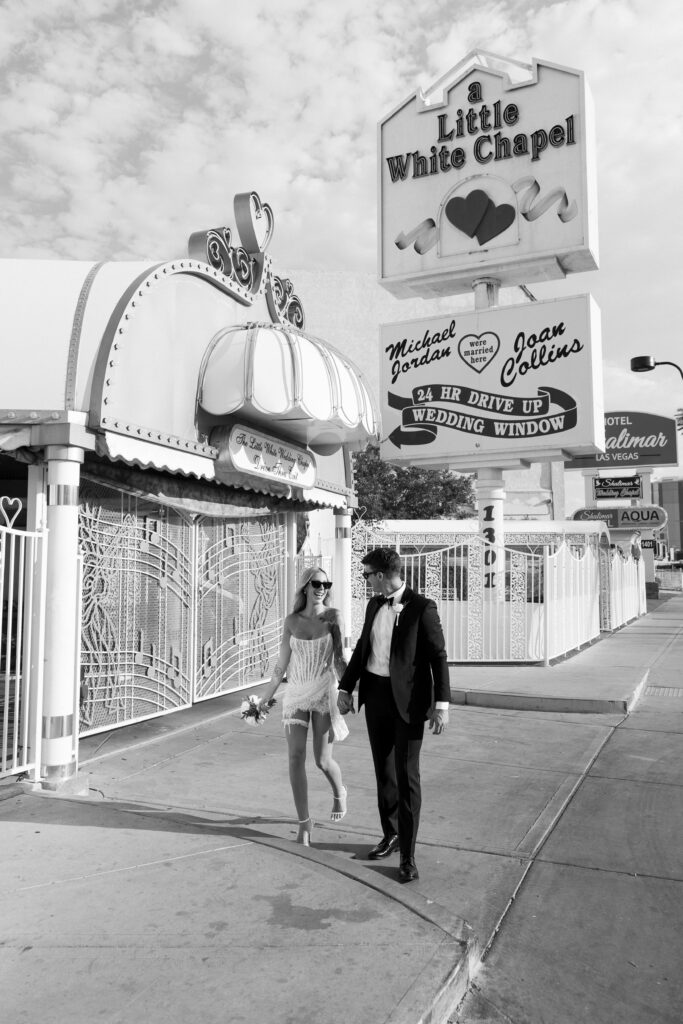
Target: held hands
345,702
438,720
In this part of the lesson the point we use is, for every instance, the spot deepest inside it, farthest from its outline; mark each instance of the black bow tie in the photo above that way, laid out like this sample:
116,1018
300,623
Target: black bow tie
384,600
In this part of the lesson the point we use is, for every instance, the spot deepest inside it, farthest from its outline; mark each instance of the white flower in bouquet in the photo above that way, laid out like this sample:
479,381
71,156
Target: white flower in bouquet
253,711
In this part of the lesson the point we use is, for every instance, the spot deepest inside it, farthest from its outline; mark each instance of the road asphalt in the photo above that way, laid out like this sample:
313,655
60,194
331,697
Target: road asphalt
166,885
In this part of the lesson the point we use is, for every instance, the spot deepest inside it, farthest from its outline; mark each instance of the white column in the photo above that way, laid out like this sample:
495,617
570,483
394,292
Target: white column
486,291
646,475
648,557
290,542
491,502
342,570
36,497
62,628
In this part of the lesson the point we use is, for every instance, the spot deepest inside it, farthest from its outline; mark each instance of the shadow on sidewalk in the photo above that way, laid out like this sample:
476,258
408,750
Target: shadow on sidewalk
121,814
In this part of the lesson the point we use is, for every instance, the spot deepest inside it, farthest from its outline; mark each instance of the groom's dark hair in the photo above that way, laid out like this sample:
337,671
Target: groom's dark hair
386,560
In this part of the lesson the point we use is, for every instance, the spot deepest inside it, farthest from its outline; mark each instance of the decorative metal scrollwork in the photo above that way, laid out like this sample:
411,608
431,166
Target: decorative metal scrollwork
282,303
233,261
247,265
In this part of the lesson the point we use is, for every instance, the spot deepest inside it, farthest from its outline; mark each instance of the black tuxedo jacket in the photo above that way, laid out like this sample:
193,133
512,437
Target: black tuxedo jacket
418,665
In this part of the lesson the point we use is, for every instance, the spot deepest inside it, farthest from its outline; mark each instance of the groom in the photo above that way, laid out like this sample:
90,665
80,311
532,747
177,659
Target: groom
400,660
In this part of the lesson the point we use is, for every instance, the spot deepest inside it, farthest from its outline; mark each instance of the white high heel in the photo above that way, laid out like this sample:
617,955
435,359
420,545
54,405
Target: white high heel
304,837
341,799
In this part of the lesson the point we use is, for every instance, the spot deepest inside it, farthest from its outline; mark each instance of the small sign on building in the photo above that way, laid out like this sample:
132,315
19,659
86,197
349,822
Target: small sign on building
620,487
261,455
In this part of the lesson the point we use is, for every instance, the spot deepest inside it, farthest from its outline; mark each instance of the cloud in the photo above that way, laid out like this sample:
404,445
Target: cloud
125,129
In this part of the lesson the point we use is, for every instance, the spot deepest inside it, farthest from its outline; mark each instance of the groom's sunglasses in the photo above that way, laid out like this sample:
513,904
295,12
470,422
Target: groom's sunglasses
325,584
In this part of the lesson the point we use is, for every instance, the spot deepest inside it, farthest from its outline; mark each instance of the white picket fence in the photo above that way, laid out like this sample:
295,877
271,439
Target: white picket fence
571,599
22,619
551,600
627,598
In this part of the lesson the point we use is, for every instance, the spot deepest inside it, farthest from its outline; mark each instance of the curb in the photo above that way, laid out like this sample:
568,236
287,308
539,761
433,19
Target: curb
511,701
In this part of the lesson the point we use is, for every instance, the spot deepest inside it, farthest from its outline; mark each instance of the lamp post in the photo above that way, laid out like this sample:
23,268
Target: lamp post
641,364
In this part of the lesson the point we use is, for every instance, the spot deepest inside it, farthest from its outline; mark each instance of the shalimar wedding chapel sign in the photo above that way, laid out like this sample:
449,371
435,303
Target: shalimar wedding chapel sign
487,173
495,387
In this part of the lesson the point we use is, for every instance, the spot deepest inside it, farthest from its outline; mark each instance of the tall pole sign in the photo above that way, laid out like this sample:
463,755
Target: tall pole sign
488,173
487,179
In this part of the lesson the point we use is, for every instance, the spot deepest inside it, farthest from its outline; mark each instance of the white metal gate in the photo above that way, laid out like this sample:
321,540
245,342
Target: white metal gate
627,598
240,598
22,617
176,608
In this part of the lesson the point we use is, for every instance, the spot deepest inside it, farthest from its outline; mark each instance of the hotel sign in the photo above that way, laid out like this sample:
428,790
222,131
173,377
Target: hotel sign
494,387
488,173
633,440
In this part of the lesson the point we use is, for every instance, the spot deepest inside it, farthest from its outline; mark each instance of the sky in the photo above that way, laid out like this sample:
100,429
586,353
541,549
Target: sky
124,127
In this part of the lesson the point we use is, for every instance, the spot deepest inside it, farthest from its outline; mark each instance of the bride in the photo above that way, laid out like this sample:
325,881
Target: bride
311,652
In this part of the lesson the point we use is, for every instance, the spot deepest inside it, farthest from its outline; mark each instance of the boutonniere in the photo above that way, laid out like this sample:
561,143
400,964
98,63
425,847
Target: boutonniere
398,608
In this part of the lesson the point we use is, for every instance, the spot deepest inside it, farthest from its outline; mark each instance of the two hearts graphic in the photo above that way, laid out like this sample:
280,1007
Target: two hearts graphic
478,215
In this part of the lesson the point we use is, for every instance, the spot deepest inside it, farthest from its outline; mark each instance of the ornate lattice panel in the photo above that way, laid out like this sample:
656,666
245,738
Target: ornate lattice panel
137,608
173,610
240,587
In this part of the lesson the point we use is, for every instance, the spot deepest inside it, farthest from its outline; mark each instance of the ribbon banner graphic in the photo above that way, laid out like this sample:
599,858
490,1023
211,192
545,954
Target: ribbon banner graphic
477,215
422,415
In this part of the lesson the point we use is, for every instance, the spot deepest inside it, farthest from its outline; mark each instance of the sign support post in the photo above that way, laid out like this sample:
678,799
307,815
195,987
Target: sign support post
491,502
490,483
486,290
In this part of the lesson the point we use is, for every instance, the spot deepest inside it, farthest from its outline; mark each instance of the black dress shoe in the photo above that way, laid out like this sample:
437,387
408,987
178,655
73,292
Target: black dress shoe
384,847
408,870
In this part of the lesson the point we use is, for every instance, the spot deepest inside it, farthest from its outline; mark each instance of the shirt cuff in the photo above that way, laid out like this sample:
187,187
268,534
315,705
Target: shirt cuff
441,705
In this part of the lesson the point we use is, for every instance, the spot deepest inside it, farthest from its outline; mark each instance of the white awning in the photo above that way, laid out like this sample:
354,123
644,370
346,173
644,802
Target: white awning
288,382
154,456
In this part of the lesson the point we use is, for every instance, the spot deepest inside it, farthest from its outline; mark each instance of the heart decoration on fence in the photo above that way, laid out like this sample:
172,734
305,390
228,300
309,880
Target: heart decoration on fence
6,506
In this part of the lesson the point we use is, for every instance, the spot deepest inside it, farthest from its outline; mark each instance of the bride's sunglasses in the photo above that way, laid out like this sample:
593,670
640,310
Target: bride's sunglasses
325,584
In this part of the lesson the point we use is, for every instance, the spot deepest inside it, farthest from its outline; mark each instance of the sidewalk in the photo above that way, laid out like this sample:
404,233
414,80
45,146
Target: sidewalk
549,843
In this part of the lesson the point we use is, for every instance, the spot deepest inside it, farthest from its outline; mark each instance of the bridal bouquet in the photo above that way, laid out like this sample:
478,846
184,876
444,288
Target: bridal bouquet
254,711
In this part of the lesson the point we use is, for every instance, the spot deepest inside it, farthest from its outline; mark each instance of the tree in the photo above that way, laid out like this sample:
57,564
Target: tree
409,492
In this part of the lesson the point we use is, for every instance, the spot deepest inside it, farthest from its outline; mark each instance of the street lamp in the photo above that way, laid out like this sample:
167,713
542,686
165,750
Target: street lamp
641,364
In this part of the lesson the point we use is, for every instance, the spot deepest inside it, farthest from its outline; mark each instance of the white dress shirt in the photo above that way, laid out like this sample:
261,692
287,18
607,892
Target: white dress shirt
380,639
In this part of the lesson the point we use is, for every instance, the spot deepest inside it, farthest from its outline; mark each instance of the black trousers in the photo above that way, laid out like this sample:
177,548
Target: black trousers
395,746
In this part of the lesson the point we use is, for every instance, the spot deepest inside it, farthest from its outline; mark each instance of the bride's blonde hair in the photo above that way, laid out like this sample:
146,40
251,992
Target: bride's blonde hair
305,578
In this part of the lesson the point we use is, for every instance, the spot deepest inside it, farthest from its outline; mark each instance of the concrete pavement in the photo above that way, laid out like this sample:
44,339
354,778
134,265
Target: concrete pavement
549,846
